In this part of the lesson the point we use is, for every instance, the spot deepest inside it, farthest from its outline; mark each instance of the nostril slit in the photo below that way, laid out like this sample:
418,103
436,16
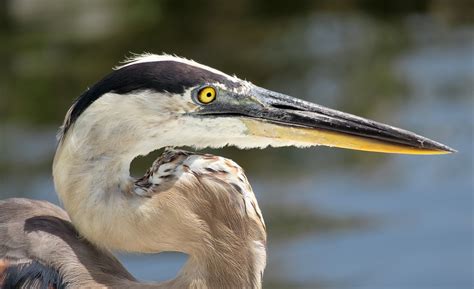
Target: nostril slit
285,106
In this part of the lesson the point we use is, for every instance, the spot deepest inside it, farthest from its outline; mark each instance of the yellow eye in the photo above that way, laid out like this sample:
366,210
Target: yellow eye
206,95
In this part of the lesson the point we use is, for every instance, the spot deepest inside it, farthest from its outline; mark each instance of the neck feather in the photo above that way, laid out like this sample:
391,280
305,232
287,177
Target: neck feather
108,208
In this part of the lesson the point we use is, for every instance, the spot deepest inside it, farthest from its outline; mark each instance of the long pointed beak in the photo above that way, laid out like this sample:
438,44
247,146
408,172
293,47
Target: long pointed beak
286,118
308,121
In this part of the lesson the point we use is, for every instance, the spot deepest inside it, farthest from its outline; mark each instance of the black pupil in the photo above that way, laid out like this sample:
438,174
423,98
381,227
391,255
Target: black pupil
209,94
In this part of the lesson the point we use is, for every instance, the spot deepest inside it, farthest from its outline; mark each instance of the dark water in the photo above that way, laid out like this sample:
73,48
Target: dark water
336,219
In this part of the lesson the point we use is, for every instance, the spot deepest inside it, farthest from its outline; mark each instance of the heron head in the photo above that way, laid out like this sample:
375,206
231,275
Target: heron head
156,101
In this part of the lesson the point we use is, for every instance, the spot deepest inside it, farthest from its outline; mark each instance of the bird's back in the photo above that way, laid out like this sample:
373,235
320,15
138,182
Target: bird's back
39,248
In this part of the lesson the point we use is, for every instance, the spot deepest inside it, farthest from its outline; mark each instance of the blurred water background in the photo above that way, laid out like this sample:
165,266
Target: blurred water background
336,218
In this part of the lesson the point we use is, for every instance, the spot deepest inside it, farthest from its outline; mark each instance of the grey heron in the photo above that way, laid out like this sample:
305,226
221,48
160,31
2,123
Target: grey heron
198,204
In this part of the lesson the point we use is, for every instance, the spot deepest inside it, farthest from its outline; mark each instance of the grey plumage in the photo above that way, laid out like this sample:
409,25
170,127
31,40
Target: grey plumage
38,231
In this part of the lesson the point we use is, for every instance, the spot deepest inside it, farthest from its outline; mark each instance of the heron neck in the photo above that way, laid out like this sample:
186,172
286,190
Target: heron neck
224,271
92,182
97,192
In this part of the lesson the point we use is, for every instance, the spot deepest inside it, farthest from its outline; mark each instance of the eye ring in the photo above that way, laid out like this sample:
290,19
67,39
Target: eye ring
206,95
